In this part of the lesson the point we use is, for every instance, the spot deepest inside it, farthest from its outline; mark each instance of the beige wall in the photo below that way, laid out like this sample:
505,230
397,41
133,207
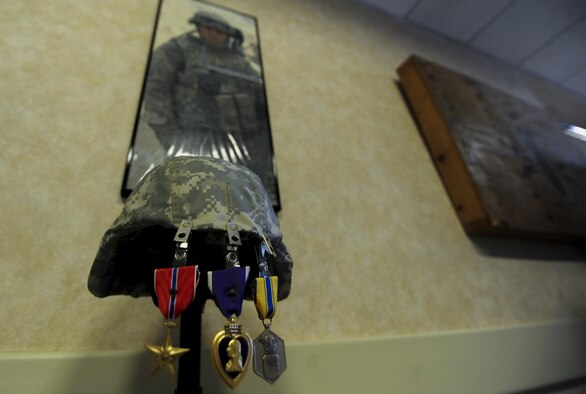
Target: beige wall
377,247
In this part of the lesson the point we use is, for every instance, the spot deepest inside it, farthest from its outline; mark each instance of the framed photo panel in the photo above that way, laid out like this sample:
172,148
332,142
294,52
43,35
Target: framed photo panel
510,168
203,94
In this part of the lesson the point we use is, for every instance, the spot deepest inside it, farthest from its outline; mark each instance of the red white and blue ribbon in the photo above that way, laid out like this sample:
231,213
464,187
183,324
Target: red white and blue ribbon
175,289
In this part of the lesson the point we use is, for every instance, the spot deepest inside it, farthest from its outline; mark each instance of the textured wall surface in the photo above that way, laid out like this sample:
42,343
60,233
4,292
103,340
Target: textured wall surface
377,247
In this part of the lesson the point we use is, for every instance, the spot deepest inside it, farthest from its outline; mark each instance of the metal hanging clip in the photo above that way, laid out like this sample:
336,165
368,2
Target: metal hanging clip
234,242
182,243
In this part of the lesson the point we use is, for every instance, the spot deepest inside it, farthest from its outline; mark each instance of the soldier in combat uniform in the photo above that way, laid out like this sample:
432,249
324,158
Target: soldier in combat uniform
204,98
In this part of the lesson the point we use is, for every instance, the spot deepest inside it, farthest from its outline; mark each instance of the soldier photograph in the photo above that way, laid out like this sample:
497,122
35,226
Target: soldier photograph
204,93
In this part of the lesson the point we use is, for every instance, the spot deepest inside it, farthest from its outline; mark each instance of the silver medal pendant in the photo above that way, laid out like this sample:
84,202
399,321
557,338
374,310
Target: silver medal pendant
269,356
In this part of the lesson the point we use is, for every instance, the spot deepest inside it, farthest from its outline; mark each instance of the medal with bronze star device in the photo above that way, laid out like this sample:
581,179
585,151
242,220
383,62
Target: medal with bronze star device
231,348
269,349
175,290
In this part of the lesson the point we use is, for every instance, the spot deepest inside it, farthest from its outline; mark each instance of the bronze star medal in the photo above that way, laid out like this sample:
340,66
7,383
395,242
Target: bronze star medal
166,353
175,290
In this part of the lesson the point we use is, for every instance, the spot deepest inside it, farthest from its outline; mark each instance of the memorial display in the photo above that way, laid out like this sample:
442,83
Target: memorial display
203,94
510,168
198,228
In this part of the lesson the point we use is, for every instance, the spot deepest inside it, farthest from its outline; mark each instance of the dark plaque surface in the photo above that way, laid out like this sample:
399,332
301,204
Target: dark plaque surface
509,167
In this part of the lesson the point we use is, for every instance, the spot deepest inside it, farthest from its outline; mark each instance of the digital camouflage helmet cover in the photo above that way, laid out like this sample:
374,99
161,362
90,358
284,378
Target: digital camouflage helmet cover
210,193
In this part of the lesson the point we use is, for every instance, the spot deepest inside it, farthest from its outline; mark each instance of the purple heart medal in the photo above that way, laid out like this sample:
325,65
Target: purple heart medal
269,349
231,347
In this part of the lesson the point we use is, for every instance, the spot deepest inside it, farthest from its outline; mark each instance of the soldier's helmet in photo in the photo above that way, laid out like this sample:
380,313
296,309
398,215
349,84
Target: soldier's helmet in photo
211,20
209,192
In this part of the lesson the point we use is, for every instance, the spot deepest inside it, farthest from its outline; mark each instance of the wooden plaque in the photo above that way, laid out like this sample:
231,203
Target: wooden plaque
509,167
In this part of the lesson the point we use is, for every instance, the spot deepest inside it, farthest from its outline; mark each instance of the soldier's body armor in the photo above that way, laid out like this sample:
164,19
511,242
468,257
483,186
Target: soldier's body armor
216,89
207,101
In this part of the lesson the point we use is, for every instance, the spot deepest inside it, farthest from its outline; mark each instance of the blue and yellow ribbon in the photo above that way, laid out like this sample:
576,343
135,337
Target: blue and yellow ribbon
265,298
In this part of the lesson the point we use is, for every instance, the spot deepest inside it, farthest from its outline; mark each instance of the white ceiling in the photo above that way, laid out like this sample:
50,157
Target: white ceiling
545,37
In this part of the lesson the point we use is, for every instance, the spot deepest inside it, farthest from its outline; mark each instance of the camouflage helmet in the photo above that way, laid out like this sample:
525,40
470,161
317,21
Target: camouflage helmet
208,192
210,19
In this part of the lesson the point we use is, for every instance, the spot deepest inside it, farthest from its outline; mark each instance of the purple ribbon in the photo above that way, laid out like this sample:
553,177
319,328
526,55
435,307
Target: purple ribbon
228,287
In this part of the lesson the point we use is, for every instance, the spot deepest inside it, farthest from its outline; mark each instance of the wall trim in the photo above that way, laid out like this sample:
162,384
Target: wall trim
502,360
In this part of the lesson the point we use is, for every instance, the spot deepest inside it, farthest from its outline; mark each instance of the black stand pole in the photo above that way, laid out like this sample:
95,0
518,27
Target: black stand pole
188,379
